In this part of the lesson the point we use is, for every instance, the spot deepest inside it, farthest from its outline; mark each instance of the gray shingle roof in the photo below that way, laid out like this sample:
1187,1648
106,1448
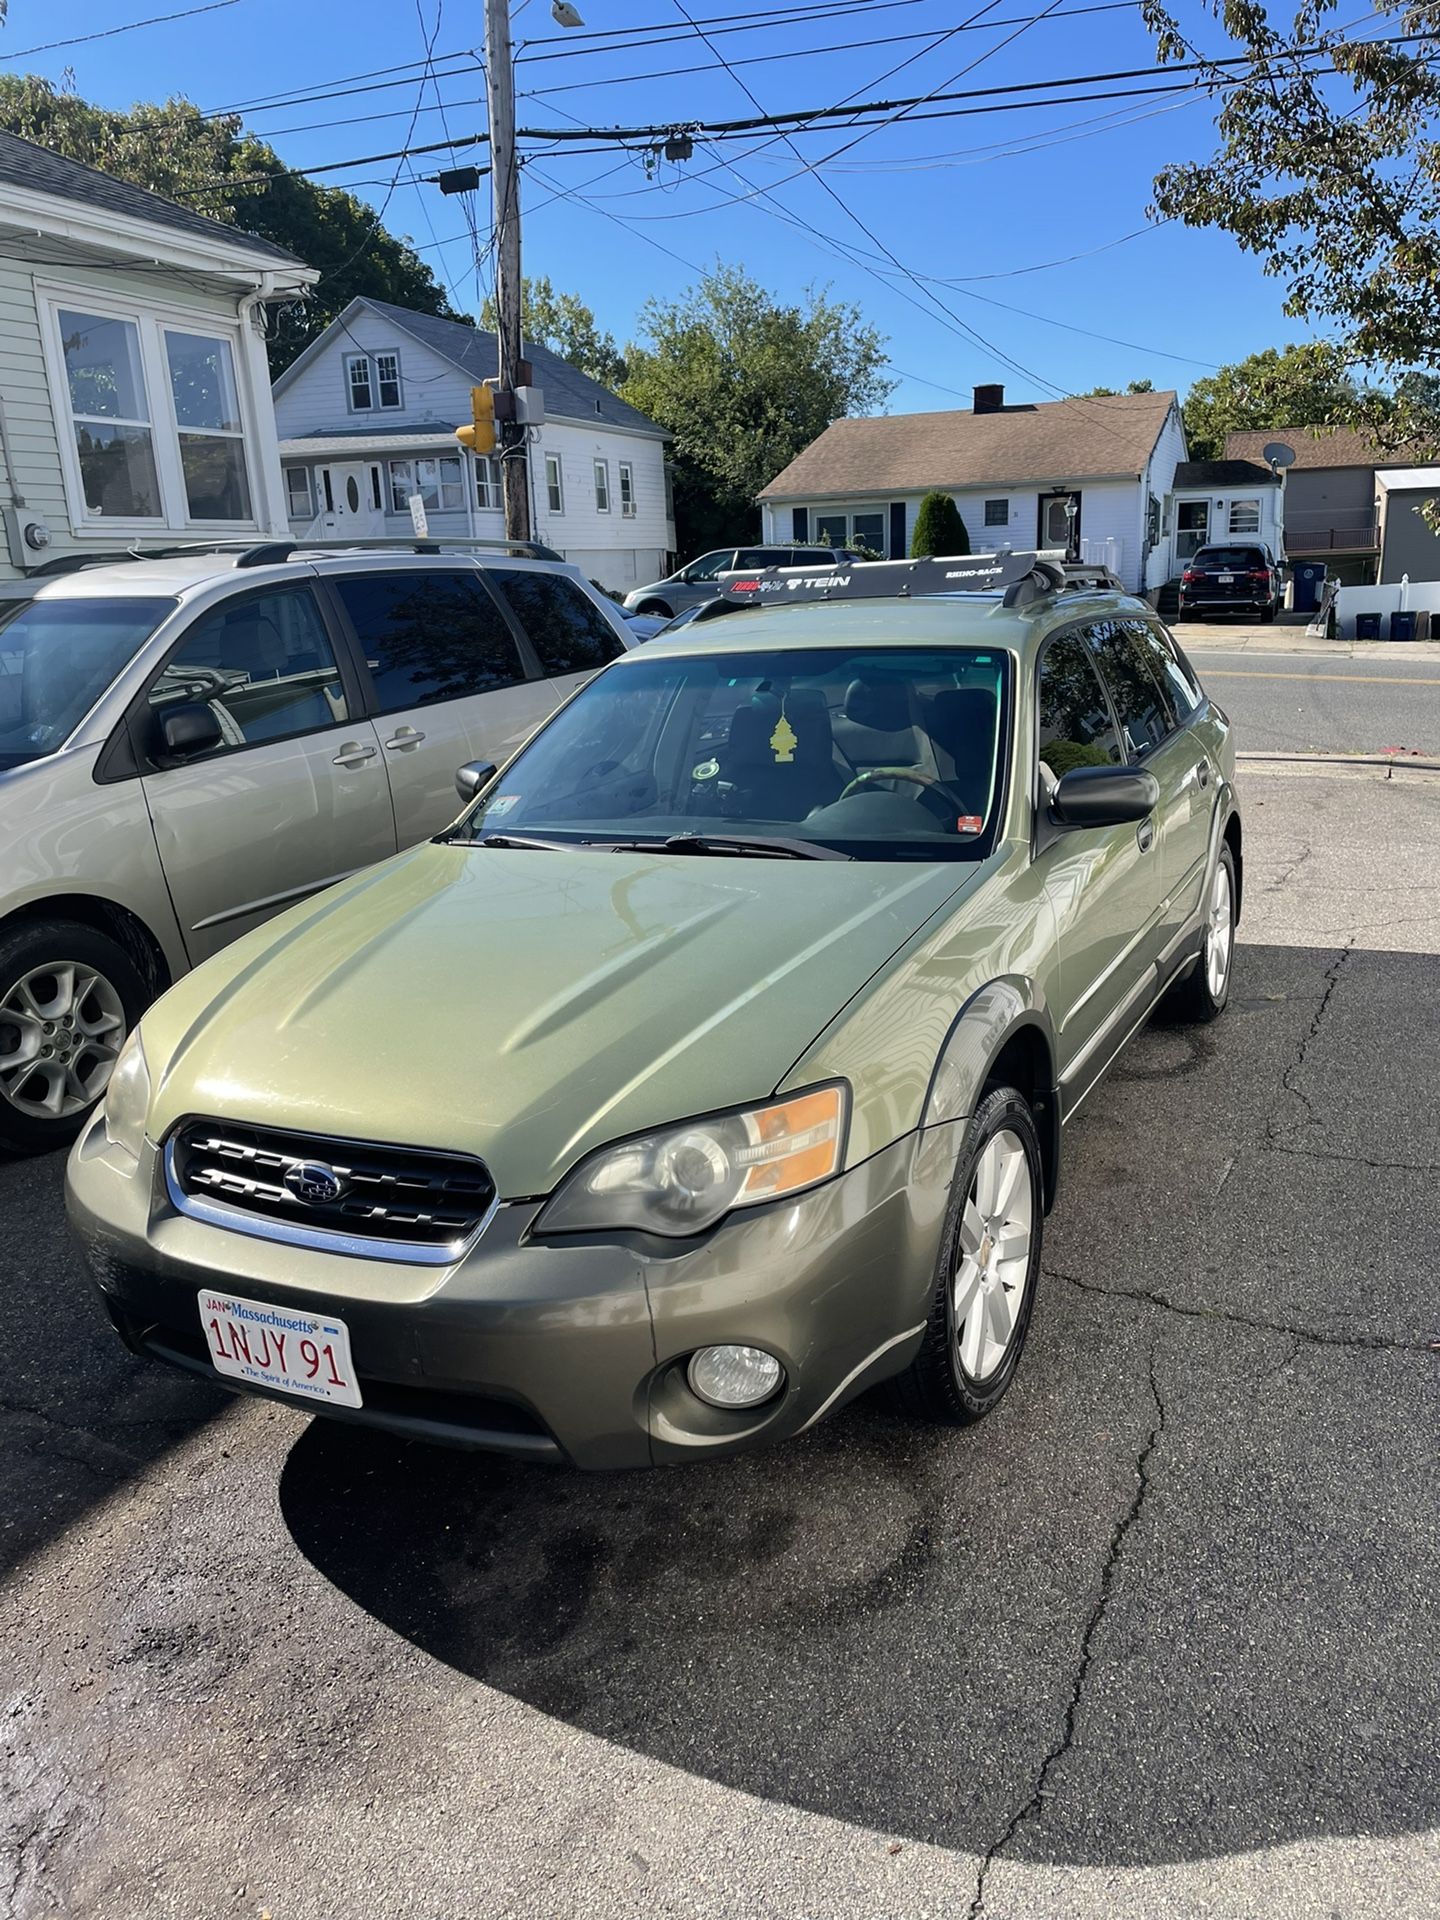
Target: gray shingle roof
1314,447
568,392
1056,441
39,171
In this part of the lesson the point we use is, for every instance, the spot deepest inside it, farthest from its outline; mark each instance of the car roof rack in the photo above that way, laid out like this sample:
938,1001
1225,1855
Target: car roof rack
268,553
1019,577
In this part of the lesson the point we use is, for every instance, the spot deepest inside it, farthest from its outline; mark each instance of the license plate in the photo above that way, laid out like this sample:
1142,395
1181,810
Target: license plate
305,1354
1226,579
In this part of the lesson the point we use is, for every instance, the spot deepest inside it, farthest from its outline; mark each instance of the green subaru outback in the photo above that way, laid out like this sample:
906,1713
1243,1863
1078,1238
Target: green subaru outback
595,1130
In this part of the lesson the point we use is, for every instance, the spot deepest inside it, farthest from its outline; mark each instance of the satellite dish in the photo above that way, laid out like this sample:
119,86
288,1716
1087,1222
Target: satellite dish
1278,454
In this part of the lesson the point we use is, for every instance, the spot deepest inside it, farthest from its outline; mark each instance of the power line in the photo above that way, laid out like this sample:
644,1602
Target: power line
131,26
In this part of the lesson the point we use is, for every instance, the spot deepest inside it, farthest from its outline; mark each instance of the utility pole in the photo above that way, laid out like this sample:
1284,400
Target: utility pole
505,182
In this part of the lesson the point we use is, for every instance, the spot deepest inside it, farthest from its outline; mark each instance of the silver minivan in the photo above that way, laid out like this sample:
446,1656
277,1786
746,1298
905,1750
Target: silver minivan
191,742
692,586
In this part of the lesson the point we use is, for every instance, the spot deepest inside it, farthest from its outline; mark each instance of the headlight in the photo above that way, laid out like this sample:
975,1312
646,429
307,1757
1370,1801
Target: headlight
127,1098
683,1180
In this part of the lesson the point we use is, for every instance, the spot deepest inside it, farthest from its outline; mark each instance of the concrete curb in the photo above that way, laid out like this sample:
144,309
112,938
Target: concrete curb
1407,762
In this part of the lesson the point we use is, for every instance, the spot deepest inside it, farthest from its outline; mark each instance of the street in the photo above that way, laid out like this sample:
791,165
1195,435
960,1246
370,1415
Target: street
1159,1639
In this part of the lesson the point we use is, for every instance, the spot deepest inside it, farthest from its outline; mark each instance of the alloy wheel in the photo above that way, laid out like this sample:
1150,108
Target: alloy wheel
61,1029
996,1235
1219,933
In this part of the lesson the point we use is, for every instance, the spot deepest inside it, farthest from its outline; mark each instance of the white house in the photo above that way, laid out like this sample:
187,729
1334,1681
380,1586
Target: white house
1091,475
1218,501
134,393
367,415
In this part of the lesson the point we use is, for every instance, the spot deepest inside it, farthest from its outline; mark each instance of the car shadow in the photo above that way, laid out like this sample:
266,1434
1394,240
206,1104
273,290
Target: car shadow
1162,1605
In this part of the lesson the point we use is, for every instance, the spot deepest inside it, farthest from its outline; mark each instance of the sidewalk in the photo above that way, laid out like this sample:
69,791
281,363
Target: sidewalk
1288,635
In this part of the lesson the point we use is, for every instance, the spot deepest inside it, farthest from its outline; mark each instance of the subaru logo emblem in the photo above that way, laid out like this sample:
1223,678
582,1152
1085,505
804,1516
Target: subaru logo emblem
313,1182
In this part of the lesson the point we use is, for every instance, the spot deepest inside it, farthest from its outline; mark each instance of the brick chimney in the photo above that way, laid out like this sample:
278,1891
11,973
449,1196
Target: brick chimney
989,399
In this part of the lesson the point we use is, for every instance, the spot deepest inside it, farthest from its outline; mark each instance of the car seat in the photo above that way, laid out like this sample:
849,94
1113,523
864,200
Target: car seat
767,785
878,726
962,725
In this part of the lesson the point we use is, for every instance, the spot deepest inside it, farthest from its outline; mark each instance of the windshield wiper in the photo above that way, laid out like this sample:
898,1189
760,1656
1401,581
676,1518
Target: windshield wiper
514,840
739,843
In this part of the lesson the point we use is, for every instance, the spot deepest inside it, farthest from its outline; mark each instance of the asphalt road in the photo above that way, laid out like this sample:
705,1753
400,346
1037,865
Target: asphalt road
1159,1640
1294,702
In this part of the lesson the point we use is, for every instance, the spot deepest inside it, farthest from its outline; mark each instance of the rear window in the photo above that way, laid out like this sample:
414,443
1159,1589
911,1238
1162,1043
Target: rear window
566,628
1241,559
56,659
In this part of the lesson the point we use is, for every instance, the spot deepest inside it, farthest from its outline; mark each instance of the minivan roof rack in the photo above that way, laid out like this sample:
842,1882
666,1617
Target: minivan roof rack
268,553
1019,577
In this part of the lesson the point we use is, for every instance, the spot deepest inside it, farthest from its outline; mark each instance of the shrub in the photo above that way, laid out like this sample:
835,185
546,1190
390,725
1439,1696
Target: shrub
939,530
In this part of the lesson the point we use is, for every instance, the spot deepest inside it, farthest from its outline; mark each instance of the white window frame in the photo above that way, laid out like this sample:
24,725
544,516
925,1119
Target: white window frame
456,483
489,492
353,360
309,509
152,321
602,486
1252,507
627,490
554,485
380,380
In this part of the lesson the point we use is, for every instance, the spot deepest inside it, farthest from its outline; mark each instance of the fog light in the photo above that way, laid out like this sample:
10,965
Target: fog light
734,1376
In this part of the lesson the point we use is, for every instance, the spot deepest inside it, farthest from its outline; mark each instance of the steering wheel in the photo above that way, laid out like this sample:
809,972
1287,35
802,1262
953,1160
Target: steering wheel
913,775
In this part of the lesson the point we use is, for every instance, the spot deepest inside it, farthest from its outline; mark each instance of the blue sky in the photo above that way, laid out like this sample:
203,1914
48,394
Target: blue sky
977,201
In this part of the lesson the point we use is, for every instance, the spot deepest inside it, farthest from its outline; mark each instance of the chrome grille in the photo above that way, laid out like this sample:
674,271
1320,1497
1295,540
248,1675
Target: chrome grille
403,1203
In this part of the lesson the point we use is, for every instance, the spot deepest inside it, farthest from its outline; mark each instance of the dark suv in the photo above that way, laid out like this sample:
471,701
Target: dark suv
1237,578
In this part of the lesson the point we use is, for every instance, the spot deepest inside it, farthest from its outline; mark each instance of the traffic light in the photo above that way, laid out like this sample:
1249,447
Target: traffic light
479,436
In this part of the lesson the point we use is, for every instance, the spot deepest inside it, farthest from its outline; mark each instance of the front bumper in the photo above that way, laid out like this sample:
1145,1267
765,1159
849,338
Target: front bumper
570,1348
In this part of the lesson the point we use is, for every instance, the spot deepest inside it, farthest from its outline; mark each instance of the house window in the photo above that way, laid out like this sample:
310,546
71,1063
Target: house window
868,530
554,483
832,529
602,486
372,380
997,513
487,483
439,483
156,420
1244,516
298,493
627,490
357,374
207,421
110,413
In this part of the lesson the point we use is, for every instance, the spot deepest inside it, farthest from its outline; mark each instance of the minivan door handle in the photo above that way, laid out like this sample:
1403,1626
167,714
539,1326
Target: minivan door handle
402,738
353,754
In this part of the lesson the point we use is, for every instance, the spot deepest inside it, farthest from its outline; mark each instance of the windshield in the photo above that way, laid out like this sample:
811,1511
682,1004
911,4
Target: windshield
880,754
56,659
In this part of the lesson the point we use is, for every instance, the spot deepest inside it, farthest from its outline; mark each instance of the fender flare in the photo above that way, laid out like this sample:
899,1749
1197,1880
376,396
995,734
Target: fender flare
993,1017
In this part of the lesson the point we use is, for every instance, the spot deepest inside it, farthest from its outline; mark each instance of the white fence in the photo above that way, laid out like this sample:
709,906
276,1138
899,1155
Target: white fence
1399,597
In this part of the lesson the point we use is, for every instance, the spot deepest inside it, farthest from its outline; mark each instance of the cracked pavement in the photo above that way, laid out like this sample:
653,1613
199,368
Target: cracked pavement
1159,1640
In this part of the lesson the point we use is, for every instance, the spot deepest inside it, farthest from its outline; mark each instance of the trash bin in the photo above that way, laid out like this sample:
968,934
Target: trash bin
1309,585
1367,626
1406,626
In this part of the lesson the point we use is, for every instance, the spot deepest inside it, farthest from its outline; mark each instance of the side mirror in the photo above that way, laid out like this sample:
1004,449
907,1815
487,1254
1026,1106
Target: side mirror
1104,796
474,775
188,729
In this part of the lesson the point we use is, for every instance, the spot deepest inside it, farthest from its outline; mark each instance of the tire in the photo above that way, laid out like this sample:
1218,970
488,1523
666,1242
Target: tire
944,1384
1267,613
1201,996
94,993
658,608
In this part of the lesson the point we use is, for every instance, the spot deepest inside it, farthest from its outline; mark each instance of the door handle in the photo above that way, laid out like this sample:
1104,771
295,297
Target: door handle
1202,774
1145,835
402,738
353,754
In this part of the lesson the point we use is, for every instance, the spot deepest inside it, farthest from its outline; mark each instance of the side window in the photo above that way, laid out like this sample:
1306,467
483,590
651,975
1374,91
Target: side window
1173,673
263,665
1075,725
1146,713
428,637
709,564
565,627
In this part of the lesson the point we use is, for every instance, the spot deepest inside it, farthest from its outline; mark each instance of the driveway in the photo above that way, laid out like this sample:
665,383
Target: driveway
1159,1639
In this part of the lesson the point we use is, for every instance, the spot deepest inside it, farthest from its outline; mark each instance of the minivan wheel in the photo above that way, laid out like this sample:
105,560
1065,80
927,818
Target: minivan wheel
1202,994
988,1268
68,997
658,608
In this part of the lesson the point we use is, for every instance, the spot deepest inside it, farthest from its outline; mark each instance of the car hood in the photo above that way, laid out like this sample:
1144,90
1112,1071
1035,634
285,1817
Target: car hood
528,1006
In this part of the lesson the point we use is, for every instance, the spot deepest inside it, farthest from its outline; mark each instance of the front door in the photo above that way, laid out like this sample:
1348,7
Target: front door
1192,529
1059,529
295,795
349,507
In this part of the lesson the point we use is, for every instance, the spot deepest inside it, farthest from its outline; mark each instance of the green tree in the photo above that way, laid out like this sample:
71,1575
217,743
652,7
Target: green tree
938,528
1298,386
213,166
1327,169
563,322
1106,393
745,382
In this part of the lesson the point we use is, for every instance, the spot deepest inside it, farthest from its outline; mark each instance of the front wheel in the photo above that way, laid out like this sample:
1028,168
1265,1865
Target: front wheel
68,997
1202,994
988,1268
658,608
